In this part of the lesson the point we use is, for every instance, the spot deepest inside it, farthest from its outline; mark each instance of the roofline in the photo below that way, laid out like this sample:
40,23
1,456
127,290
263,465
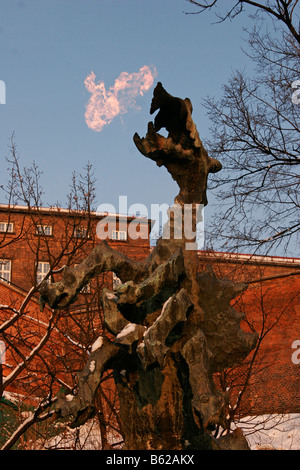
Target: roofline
54,210
237,257
222,256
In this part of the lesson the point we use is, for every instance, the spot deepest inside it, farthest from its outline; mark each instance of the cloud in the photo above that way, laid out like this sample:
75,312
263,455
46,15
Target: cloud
104,105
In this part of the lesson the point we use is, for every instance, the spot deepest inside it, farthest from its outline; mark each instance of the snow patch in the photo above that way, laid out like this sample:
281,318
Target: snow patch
129,328
85,437
27,414
278,432
110,296
97,344
92,366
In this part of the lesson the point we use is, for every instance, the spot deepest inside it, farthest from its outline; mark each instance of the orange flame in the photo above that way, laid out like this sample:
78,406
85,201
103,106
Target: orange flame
104,105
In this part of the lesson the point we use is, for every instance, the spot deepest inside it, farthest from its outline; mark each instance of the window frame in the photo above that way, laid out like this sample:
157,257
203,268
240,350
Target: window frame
6,225
118,239
86,289
81,232
4,261
42,232
39,273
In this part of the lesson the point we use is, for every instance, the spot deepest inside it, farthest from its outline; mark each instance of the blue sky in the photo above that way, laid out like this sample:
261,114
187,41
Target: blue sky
48,48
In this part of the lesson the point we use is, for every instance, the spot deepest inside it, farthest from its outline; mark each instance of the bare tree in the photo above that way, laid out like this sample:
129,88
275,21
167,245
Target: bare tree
255,134
248,385
280,10
46,350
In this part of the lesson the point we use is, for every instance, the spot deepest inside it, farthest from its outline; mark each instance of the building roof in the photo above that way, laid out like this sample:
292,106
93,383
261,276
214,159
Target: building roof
59,211
221,256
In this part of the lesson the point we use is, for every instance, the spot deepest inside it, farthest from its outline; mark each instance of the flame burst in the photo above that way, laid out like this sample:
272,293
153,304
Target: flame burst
104,105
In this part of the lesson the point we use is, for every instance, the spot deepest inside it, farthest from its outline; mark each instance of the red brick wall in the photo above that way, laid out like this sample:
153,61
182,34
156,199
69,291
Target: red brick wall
272,309
24,334
276,380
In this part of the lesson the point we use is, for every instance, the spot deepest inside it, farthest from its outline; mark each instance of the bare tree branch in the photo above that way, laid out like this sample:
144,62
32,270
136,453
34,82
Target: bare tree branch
282,11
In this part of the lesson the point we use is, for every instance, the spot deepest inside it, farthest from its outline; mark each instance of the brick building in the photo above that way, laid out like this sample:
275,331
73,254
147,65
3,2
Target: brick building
32,241
40,353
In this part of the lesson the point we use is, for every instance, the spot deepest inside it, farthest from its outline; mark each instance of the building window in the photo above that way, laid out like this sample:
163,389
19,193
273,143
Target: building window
6,227
44,230
116,281
86,289
5,270
119,235
80,232
42,269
